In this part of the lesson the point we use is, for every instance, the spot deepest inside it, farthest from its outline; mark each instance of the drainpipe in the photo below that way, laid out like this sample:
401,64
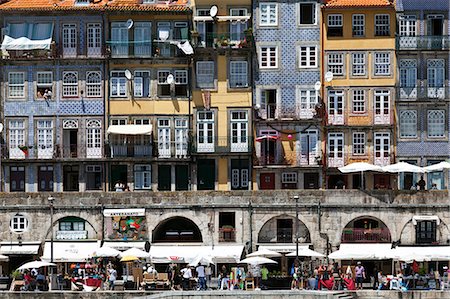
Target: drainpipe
106,99
250,219
324,113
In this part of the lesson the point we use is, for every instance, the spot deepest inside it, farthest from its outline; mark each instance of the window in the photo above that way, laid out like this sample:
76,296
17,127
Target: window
164,33
435,72
307,13
71,224
16,82
164,138
268,14
142,177
180,31
181,83
119,39
16,134
70,84
148,1
142,39
408,73
93,177
359,101
118,122
335,146
81,2
359,143
382,148
408,124
205,74
336,63
382,27
141,83
382,64
358,64
93,84
94,39
268,103
358,23
205,131
69,39
181,137
237,28
44,85
239,175
163,86
407,25
268,58
308,57
19,223
118,84
45,178
17,178
436,123
238,74
239,131
308,101
93,138
425,232
45,138
335,25
289,178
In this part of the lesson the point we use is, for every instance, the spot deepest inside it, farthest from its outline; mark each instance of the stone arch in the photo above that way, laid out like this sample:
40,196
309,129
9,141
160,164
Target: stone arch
176,229
407,235
366,229
281,229
89,227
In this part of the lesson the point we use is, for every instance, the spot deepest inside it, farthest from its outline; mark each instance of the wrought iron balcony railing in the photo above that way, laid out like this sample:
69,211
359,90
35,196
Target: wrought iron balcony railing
422,93
362,235
231,144
424,42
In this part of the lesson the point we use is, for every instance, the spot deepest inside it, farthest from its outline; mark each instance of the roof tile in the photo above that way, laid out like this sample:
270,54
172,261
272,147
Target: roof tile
357,3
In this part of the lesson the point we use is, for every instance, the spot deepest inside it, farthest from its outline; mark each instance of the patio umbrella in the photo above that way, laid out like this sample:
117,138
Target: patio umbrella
129,258
257,260
403,167
35,264
306,252
438,167
106,251
201,259
264,253
360,167
135,252
4,258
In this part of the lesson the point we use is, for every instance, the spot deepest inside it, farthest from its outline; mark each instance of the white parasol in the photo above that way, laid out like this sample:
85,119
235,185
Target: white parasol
438,167
360,167
106,251
306,252
35,264
257,260
264,253
403,167
135,252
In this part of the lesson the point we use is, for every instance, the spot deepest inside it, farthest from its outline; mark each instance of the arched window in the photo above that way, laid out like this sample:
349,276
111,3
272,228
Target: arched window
19,223
408,123
93,84
436,123
70,84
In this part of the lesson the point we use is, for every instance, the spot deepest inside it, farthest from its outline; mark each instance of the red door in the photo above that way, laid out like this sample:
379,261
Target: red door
267,181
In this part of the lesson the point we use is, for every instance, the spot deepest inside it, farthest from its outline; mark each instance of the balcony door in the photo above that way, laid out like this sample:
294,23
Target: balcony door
382,149
336,107
45,139
336,149
70,139
69,37
382,107
94,40
94,139
119,39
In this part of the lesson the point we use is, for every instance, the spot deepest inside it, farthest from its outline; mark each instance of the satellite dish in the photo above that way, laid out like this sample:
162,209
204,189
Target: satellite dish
1,127
130,23
328,76
128,74
318,85
213,11
170,79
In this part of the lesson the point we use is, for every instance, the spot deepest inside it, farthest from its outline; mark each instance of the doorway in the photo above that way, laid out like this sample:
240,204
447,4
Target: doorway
164,181
181,177
70,143
118,173
206,174
267,181
311,181
70,178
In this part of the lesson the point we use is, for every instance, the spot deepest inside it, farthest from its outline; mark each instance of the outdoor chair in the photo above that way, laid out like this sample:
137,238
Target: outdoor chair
249,283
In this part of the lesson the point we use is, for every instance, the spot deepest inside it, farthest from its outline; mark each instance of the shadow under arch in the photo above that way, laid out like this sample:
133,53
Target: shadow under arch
176,229
281,229
366,229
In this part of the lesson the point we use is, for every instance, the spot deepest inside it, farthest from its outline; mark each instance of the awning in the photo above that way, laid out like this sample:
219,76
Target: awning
28,36
130,129
425,218
186,253
203,18
123,212
282,248
358,251
421,253
78,251
19,249
124,245
233,18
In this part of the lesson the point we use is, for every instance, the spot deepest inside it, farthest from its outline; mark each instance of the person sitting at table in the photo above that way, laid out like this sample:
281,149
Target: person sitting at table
41,281
28,281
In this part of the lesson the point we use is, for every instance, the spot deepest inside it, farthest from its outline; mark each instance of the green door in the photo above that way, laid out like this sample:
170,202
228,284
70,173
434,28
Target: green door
206,174
181,177
164,181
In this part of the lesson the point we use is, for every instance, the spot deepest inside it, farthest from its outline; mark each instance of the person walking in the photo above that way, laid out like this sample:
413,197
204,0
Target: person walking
264,277
201,277
187,275
208,274
112,277
360,274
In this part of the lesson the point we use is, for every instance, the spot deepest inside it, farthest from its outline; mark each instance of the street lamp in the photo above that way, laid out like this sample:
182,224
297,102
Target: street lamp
296,229
51,199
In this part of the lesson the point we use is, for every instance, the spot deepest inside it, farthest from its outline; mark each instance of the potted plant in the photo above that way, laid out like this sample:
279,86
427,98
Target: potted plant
17,275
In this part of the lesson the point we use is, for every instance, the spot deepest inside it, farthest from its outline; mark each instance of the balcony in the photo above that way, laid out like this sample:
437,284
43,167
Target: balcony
311,159
362,235
299,111
144,49
218,145
173,149
52,152
242,40
56,51
436,43
71,234
422,93
130,150
227,234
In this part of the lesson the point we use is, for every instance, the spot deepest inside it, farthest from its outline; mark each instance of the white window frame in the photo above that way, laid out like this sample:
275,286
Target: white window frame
289,178
408,73
359,101
307,99
70,88
19,88
407,25
408,124
94,39
235,78
69,39
382,64
181,137
336,63
359,143
359,64
299,9
266,19
436,124
268,57
335,21
307,57
358,25
381,24
142,177
139,83
436,73
205,74
181,78
382,148
336,145
120,81
44,134
19,223
93,138
16,132
237,28
93,84
239,130
164,138
47,83
205,125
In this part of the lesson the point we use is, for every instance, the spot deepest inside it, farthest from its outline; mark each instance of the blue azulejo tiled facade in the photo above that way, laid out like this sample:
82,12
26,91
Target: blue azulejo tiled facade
53,103
287,67
423,46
